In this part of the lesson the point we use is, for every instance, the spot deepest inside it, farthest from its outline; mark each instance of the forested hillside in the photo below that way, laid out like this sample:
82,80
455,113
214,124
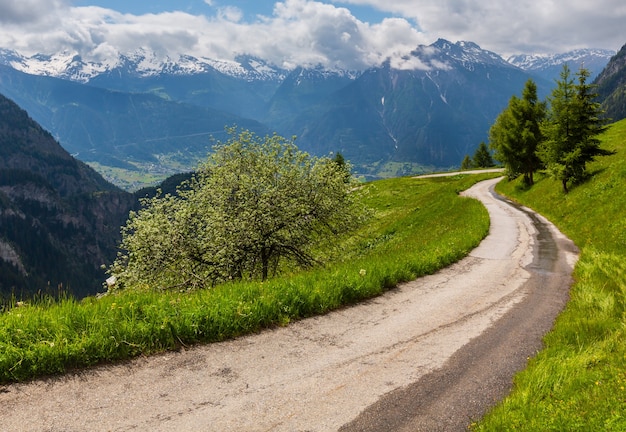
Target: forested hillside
612,86
59,219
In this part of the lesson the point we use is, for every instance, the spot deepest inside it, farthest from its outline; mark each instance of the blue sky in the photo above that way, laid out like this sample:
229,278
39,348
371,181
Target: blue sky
250,8
139,7
349,34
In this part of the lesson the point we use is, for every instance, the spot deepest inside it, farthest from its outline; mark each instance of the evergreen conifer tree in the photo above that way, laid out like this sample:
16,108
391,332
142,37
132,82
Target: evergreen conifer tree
467,163
482,158
516,134
572,128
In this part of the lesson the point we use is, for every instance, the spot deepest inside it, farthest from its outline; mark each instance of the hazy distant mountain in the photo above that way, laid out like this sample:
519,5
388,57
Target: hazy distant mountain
431,116
612,86
218,84
549,66
301,90
141,113
134,132
59,219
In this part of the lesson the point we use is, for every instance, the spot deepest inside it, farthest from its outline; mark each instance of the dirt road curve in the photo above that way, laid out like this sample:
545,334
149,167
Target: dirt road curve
431,355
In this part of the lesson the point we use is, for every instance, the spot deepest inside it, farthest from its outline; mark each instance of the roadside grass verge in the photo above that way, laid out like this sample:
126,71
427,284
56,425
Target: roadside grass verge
418,227
578,381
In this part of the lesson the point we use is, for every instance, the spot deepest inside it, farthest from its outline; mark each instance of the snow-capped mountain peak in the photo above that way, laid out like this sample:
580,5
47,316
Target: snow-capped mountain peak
146,63
548,64
141,62
542,61
467,54
441,55
445,55
66,64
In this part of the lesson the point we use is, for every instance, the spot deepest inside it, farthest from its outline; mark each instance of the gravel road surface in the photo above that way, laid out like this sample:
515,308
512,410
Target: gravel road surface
432,354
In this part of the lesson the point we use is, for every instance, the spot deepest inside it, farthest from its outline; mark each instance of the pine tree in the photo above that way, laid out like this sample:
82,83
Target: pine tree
516,134
482,158
467,163
572,128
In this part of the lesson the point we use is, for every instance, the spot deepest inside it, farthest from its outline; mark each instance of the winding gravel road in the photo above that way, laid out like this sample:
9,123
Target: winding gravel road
433,354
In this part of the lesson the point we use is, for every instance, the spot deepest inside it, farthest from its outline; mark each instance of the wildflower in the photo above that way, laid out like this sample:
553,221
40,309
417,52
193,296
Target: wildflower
362,272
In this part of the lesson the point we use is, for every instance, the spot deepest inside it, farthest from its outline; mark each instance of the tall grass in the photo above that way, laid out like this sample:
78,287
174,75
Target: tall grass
578,382
418,227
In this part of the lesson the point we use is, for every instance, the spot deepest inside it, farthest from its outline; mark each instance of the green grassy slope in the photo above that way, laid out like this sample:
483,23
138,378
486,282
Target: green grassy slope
418,227
578,382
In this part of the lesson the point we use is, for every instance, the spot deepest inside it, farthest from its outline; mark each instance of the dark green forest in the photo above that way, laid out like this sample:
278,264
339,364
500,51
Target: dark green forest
59,219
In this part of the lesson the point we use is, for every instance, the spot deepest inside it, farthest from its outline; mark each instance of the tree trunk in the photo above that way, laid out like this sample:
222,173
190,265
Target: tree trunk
265,262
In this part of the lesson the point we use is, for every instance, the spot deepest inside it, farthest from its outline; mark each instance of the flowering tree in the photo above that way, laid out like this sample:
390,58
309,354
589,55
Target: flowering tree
258,205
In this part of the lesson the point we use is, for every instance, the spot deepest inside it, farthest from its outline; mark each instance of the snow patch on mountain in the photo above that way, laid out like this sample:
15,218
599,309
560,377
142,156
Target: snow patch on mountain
66,64
441,55
145,63
142,63
533,62
549,66
468,54
444,55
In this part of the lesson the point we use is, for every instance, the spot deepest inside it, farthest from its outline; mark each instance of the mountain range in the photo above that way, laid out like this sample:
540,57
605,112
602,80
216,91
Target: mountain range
549,67
143,63
137,118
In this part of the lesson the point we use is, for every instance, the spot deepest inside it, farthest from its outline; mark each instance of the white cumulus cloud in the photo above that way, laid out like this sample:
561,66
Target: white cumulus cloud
299,32
515,26
312,32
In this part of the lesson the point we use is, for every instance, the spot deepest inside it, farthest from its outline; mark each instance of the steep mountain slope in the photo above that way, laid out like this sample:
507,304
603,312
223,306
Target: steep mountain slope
59,219
301,90
430,116
132,132
549,67
612,86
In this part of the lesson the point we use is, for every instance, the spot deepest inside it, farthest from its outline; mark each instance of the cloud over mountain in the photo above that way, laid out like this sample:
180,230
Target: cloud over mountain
312,32
299,32
515,26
